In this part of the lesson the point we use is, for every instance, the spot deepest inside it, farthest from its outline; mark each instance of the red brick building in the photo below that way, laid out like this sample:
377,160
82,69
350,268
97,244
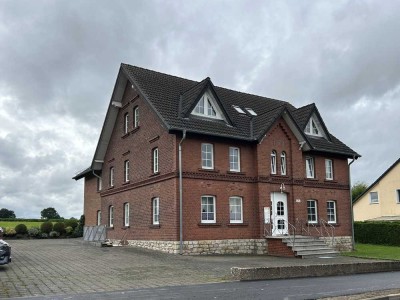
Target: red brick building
238,167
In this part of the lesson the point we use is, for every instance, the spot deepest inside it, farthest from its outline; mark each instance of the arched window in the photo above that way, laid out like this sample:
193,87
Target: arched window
273,162
111,216
126,123
99,217
283,163
126,214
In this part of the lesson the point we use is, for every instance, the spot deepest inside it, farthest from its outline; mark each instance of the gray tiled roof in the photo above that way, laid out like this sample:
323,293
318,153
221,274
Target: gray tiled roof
173,98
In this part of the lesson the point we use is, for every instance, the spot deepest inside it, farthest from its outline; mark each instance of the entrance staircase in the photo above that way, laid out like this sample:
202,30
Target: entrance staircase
309,247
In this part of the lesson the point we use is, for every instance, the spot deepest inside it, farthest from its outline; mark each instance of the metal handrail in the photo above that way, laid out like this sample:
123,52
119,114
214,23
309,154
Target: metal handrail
331,227
269,230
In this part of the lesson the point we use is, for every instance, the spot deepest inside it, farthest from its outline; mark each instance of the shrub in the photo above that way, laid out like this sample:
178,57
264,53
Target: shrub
46,227
44,235
33,231
379,233
10,232
21,229
71,223
54,234
59,227
69,230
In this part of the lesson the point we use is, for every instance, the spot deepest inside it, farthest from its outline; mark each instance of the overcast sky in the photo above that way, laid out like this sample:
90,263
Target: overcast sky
59,61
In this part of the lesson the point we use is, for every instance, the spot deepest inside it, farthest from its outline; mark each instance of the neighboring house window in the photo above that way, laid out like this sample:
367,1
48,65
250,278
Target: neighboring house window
98,217
331,211
207,209
126,170
273,162
126,214
155,160
374,197
207,156
312,128
206,107
99,184
283,163
111,216
126,123
112,176
328,169
398,196
312,211
156,211
310,167
236,209
136,117
234,159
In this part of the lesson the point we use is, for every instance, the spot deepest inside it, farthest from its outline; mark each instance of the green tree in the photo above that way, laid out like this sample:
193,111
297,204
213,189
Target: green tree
357,189
49,213
7,214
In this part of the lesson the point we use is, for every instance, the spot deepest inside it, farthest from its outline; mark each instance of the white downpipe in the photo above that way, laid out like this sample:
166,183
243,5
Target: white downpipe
351,208
180,195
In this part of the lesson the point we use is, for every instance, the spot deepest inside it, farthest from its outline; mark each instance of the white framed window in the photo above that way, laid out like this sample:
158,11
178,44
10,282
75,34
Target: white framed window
156,211
398,196
126,214
155,160
126,171
99,184
273,162
283,163
236,209
312,216
207,107
331,211
136,117
207,156
328,169
234,159
126,123
98,219
374,198
111,182
207,209
111,216
310,167
312,128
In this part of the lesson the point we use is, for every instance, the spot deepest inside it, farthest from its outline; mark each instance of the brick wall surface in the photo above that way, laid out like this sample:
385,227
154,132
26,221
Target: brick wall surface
277,248
92,201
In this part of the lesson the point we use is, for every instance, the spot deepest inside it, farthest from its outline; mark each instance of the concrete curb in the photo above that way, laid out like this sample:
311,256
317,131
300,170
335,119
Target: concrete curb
263,273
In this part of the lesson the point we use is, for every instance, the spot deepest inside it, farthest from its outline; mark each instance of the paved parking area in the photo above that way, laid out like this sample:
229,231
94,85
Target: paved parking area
70,266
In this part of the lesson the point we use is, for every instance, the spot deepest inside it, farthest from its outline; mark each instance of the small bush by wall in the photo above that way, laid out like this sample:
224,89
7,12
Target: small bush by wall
71,223
59,227
21,229
33,231
46,227
379,233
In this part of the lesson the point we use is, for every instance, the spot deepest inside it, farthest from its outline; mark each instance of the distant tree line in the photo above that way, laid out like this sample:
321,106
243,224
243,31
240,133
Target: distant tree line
49,213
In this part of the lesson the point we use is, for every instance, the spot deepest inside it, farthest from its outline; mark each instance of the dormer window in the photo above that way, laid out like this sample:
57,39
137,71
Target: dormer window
313,128
207,107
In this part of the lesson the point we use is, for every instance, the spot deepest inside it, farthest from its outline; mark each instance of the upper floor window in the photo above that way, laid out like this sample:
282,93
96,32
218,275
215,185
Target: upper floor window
331,211
310,167
111,182
207,107
155,160
234,159
136,117
312,128
328,169
126,214
283,163
373,196
312,211
156,211
126,123
235,210
98,219
207,209
398,196
273,162
111,216
126,171
207,156
99,184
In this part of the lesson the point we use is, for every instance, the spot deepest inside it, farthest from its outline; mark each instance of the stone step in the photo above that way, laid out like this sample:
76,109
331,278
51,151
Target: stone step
308,247
308,254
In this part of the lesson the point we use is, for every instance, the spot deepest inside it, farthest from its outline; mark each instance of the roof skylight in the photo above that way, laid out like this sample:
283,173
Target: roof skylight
238,109
251,111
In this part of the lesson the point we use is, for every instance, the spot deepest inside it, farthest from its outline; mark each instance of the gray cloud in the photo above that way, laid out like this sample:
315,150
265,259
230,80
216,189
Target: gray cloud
59,62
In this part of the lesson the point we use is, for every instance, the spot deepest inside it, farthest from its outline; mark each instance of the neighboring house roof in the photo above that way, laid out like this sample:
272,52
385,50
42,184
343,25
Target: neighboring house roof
377,181
83,173
174,98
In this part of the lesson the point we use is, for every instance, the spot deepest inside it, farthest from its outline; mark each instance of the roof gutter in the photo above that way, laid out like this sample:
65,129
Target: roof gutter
351,206
180,194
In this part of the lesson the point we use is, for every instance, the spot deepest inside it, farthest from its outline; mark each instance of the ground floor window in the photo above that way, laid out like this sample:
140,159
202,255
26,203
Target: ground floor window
126,214
111,216
156,211
312,211
207,209
236,209
98,217
331,211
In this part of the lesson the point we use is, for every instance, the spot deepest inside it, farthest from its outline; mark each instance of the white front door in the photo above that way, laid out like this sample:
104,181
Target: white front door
279,214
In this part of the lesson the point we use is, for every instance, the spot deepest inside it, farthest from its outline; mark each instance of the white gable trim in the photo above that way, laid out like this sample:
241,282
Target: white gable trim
314,127
208,104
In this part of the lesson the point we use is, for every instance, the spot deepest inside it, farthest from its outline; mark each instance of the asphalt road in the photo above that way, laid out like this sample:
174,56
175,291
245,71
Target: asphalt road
288,289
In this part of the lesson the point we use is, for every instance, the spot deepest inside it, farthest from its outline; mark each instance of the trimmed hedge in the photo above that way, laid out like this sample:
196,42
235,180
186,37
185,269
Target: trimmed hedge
30,220
378,233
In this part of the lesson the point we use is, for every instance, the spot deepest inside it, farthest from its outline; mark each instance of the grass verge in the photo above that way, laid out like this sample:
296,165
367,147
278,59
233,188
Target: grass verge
12,224
375,251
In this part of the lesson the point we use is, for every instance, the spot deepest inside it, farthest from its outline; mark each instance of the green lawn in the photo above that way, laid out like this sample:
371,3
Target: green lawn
12,224
375,251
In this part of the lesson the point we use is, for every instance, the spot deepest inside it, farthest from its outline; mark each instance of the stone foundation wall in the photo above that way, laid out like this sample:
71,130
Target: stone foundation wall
341,243
233,246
